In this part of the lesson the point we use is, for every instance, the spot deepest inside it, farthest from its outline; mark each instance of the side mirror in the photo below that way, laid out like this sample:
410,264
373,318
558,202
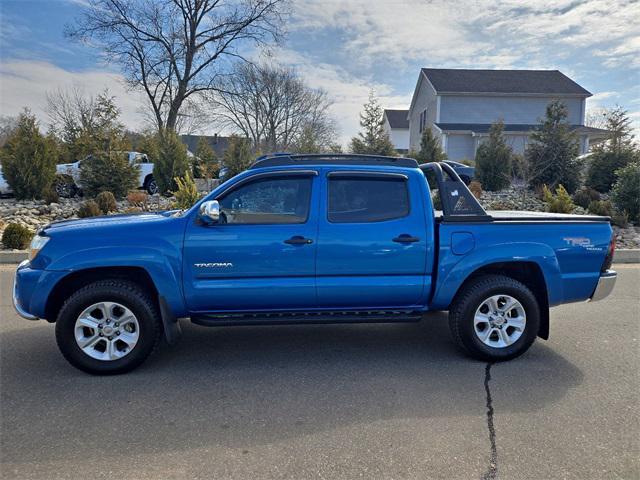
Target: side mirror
210,211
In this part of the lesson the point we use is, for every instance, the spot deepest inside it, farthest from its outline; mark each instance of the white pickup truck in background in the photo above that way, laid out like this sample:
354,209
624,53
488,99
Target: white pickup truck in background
5,189
72,171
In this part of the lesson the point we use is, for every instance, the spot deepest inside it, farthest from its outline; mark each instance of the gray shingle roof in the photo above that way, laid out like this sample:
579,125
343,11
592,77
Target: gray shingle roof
218,143
446,80
397,118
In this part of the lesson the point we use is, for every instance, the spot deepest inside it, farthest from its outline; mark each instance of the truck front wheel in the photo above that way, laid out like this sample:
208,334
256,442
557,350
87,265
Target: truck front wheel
108,327
494,318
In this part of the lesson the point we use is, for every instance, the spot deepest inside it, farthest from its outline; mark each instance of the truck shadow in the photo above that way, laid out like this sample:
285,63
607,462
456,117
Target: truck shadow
244,386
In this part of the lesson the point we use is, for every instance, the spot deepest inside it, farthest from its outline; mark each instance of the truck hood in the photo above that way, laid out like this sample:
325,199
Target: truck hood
124,220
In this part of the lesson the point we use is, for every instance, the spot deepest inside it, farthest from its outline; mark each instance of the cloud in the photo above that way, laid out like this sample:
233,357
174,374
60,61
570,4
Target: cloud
26,83
600,98
349,92
480,33
405,30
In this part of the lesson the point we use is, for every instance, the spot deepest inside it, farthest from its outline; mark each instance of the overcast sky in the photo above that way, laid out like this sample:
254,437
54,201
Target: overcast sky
350,46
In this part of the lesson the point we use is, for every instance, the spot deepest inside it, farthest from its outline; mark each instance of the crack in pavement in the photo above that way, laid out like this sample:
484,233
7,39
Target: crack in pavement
492,471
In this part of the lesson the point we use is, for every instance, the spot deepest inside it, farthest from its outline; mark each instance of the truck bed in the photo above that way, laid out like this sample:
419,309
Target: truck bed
521,216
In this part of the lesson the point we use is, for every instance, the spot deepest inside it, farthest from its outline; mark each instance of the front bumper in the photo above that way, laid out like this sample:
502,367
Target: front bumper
16,299
605,285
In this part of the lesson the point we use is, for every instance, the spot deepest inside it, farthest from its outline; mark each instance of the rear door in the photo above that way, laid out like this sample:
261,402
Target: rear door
261,256
372,241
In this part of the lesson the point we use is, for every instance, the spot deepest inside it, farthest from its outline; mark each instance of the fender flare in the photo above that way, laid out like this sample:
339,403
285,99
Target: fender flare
455,269
165,272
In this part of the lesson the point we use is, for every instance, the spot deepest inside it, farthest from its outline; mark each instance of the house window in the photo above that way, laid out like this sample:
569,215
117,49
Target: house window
423,120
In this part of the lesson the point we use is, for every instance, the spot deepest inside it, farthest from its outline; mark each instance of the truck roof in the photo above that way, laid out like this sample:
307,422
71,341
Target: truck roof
283,159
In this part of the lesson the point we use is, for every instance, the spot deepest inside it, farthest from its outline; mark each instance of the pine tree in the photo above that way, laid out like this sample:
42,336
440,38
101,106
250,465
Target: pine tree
238,156
553,150
430,150
108,172
106,167
617,152
493,160
205,163
372,140
28,159
172,161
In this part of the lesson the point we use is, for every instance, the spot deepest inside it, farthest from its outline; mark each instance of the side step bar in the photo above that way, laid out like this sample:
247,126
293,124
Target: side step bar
293,318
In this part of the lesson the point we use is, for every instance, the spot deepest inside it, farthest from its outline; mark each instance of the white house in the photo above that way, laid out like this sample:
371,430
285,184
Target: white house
396,125
460,106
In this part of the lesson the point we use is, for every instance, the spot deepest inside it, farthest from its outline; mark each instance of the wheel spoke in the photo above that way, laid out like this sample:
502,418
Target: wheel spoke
518,323
485,334
88,342
89,322
492,303
508,306
126,318
129,338
504,336
481,318
110,351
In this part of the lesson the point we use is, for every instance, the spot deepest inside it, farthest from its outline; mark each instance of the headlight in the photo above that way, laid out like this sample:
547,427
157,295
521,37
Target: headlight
37,244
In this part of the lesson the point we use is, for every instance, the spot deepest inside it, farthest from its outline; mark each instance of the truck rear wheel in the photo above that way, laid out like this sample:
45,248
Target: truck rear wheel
494,318
108,327
150,185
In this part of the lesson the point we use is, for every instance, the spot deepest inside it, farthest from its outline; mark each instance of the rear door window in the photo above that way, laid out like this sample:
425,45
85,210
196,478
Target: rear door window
366,199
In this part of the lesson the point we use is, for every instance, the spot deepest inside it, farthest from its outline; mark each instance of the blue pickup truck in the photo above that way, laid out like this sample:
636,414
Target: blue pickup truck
313,239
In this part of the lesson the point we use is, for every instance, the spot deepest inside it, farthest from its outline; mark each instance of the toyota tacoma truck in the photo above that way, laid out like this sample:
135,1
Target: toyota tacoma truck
313,239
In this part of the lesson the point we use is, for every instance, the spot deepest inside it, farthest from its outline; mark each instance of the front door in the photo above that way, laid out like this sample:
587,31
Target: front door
372,242
261,255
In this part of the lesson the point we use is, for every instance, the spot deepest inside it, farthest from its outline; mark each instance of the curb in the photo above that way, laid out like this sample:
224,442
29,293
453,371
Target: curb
13,256
621,256
627,256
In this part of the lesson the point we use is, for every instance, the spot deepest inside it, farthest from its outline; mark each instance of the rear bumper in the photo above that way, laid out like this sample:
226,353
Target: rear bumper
605,285
16,299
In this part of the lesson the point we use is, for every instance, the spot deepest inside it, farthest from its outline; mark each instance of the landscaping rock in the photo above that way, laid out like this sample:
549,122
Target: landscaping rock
35,214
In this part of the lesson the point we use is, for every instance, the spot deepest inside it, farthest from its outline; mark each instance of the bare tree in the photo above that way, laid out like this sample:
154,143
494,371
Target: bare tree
70,113
272,106
597,117
173,49
7,125
84,124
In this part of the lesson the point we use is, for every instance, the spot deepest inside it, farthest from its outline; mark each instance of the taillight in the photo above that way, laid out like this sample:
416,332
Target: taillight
608,260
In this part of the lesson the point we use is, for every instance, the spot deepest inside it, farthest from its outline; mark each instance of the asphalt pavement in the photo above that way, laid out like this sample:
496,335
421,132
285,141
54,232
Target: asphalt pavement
331,402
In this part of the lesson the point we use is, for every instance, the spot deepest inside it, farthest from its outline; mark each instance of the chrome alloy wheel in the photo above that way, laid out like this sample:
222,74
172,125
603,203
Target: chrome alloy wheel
107,331
499,321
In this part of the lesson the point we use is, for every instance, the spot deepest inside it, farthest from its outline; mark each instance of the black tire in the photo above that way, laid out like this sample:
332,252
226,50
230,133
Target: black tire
150,185
126,293
64,186
469,299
